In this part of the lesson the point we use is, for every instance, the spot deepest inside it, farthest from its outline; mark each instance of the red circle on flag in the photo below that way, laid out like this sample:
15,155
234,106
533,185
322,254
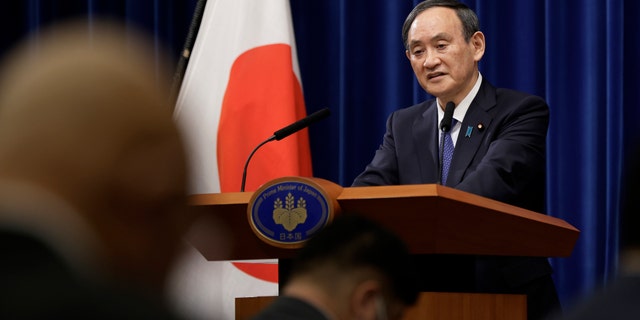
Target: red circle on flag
263,271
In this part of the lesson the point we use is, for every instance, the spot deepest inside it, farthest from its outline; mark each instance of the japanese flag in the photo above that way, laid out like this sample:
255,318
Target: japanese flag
241,84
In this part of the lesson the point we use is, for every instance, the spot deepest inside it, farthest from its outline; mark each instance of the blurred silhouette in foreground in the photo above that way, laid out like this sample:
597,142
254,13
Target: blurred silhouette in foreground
353,269
92,177
620,299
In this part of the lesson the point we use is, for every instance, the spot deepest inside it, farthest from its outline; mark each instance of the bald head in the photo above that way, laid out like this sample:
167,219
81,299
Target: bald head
84,114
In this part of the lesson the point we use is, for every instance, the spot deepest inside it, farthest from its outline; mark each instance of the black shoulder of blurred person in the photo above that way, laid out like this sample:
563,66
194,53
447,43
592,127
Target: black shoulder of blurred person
37,283
619,299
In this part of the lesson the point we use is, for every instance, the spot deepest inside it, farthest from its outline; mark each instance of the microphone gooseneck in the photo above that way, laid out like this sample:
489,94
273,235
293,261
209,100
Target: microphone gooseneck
283,133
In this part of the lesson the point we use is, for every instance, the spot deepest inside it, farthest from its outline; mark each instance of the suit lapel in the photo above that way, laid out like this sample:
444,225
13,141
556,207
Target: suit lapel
470,137
425,139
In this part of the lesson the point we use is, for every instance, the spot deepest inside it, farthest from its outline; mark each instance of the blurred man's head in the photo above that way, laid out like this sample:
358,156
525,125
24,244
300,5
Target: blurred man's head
84,114
363,271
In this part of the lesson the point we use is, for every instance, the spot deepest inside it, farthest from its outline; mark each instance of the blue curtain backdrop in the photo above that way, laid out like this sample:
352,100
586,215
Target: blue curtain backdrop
580,55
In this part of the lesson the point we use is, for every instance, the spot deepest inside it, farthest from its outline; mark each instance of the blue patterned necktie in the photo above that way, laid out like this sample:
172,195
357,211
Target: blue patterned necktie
447,153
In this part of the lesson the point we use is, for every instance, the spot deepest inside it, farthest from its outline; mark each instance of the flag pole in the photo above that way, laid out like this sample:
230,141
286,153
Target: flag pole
186,51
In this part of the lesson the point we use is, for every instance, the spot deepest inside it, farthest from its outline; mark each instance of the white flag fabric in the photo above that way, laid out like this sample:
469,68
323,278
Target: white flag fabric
202,289
241,84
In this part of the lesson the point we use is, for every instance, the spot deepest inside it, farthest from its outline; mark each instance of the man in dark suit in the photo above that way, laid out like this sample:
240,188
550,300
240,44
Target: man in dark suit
498,136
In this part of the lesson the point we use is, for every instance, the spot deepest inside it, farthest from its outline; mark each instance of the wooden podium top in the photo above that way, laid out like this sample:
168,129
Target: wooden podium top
431,219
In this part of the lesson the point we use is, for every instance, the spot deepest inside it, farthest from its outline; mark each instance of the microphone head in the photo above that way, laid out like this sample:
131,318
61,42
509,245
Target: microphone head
301,124
445,124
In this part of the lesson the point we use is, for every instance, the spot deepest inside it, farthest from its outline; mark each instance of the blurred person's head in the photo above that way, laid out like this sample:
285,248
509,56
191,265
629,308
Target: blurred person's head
85,116
354,269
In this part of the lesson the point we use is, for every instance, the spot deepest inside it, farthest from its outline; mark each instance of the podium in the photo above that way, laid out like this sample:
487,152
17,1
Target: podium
431,219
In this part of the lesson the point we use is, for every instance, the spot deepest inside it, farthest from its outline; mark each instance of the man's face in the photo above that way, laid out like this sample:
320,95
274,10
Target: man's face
444,63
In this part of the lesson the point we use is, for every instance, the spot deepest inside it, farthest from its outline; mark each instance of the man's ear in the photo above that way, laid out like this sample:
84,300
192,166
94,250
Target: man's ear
478,42
364,299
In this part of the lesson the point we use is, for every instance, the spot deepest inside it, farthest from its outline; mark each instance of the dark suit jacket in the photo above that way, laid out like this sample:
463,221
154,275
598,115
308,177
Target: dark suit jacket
502,157
290,308
36,283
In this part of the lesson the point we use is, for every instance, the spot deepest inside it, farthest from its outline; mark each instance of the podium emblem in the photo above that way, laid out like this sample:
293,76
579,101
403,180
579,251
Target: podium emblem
290,217
286,212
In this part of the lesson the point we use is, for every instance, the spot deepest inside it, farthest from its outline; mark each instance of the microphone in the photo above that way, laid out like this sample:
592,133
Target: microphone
445,126
301,124
285,132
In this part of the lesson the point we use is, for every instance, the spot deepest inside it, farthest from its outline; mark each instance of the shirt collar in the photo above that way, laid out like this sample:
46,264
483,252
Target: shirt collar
463,106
